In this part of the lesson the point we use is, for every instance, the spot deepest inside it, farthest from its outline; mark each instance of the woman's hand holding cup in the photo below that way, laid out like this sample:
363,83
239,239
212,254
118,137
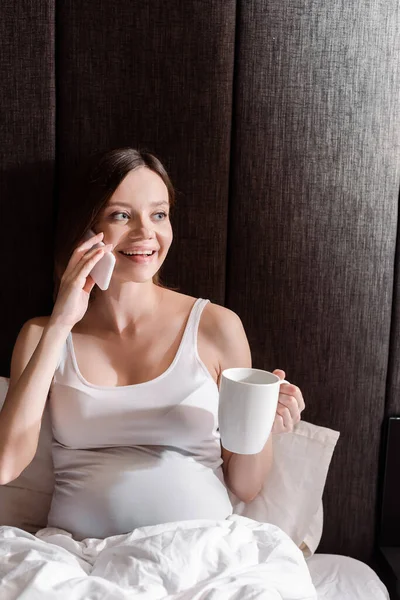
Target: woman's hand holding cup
252,404
290,405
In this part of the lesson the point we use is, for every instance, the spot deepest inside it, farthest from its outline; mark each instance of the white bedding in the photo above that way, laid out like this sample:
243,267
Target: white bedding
343,578
233,559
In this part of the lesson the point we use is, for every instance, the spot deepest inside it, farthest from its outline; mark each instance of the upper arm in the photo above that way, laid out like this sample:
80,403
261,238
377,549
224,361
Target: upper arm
232,346
25,345
226,335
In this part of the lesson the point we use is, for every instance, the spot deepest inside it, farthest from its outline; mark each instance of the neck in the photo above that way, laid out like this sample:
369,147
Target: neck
122,308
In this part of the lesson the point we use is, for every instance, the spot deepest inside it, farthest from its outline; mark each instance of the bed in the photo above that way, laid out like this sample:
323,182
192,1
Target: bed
233,559
341,577
266,549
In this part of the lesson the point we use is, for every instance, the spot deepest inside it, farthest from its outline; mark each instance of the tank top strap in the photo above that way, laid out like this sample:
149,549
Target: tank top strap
60,368
187,347
189,340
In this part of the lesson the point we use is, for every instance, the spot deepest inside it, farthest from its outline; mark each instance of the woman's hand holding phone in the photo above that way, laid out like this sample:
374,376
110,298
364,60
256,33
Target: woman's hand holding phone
76,283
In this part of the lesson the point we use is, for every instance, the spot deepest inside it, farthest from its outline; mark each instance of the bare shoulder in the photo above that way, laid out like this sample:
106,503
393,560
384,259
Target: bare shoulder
214,316
223,329
176,302
27,340
222,341
220,321
37,322
31,331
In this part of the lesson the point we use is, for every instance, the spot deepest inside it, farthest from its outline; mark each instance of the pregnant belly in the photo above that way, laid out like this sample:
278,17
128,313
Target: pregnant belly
111,491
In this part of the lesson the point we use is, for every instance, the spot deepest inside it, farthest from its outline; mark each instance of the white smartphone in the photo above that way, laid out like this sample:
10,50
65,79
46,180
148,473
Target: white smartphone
102,270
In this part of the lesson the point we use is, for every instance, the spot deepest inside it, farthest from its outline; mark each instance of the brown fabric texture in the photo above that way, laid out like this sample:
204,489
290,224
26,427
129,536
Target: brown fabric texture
27,152
158,76
315,179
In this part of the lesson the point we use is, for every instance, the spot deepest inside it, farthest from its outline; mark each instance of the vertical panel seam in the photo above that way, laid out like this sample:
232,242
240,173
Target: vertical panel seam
56,195
232,147
389,380
395,298
56,112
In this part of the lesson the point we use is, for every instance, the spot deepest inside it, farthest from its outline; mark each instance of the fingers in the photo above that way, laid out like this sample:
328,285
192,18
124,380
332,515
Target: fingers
281,374
290,406
296,392
288,421
87,262
89,285
292,391
289,411
278,426
95,239
72,269
81,250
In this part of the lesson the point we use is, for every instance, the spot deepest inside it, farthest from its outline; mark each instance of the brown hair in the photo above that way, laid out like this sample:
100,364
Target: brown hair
89,192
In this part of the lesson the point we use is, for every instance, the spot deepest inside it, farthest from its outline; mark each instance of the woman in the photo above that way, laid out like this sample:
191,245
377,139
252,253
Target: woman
132,373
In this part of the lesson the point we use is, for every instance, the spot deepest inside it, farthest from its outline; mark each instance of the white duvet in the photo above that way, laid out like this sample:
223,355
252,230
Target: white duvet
234,559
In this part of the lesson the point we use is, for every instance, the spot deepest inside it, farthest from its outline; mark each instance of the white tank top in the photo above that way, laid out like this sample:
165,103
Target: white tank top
136,455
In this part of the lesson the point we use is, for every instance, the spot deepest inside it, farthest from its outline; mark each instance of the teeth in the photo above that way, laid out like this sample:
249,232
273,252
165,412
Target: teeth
147,253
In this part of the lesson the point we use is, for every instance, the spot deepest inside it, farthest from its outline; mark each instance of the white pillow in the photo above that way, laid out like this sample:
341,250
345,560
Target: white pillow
292,495
290,499
25,502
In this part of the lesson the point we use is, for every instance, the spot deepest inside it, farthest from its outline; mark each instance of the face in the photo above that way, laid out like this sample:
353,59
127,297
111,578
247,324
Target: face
136,221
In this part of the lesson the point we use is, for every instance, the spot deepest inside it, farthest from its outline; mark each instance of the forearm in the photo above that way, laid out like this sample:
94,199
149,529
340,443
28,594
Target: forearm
245,474
20,418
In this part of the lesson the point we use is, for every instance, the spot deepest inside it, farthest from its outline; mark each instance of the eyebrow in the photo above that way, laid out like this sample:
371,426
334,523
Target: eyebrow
153,204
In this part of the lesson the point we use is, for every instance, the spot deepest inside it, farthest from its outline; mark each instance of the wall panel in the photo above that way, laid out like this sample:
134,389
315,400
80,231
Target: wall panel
156,75
27,150
315,179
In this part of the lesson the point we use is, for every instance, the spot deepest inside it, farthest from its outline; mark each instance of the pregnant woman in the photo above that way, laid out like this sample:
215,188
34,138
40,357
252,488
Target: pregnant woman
131,373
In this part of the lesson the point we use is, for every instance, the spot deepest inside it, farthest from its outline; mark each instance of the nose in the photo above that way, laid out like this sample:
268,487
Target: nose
142,231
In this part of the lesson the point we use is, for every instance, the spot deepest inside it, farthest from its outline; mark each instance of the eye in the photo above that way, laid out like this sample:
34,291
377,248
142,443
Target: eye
163,215
120,213
160,216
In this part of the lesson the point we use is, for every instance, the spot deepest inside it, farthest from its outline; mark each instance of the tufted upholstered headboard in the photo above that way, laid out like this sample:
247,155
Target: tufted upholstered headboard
278,122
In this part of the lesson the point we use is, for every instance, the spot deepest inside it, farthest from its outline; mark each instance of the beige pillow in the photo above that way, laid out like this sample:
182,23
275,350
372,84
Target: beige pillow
292,495
25,502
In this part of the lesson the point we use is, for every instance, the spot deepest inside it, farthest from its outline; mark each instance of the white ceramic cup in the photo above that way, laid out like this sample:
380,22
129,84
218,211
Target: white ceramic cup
248,399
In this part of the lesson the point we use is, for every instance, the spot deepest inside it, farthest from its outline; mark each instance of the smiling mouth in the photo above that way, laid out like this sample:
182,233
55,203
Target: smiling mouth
147,253
139,258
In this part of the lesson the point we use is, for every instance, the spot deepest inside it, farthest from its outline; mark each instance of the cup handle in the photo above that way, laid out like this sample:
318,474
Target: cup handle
283,381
